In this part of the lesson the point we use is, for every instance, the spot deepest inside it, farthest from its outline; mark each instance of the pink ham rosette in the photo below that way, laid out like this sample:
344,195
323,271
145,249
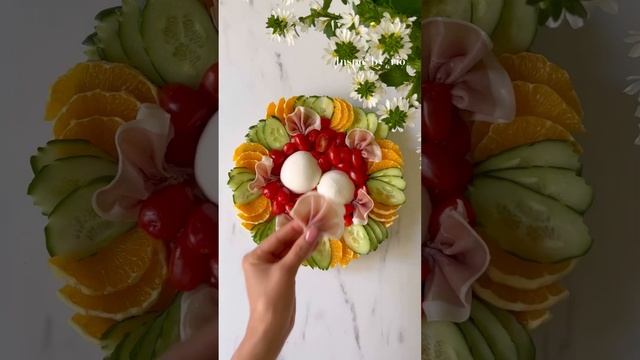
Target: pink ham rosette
141,145
315,210
456,257
301,121
458,54
365,141
362,206
263,174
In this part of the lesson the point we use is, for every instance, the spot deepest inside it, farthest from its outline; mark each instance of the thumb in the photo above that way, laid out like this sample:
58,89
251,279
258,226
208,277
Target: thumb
301,249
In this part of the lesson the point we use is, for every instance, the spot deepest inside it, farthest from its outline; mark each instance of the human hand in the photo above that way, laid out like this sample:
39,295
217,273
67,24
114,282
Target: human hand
270,271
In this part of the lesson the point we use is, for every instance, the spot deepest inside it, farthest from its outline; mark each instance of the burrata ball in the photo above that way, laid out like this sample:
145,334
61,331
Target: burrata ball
337,186
300,172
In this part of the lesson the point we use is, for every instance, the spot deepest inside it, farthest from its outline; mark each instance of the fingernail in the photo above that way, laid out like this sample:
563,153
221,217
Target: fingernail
311,234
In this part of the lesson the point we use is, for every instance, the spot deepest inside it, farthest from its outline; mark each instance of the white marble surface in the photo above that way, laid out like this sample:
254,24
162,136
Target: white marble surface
370,310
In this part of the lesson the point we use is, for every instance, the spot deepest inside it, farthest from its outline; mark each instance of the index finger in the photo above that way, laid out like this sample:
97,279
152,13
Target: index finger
278,244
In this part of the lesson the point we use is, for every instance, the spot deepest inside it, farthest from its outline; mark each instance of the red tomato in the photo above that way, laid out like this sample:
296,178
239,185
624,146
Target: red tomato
344,167
312,135
458,144
349,209
202,229
356,158
325,163
346,155
165,211
284,196
190,109
335,155
340,140
348,220
437,111
277,156
301,142
443,174
278,207
289,148
434,220
187,268
271,190
323,141
359,178
325,123
209,85
182,149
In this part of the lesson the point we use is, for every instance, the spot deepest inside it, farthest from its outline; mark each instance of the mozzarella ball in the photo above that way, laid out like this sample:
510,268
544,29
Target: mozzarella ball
337,186
300,172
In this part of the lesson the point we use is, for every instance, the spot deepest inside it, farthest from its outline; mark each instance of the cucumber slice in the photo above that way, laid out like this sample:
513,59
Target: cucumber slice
300,100
372,122
356,238
360,120
323,106
387,172
393,180
252,135
131,40
517,27
455,9
263,230
477,344
261,135
525,347
322,254
309,100
124,348
113,336
58,179
561,184
384,233
442,340
59,149
180,39
496,336
74,228
170,333
527,224
92,50
275,134
242,195
373,237
486,14
312,264
239,170
236,180
145,347
550,153
382,131
107,28
385,194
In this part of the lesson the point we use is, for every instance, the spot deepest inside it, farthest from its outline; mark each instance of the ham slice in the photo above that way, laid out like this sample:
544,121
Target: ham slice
301,121
362,206
459,54
263,174
456,257
141,145
365,141
314,209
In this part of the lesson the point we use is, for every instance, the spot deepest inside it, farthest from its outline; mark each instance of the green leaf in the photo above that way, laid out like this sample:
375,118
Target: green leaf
395,75
576,8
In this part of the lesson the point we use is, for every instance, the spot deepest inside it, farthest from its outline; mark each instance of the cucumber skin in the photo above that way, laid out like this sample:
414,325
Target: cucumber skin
552,151
107,35
477,343
51,151
524,343
242,195
493,332
359,235
113,336
487,28
385,194
145,346
170,333
316,255
502,44
275,134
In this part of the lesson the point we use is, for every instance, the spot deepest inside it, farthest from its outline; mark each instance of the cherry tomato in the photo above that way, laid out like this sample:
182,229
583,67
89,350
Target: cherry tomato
323,141
357,159
187,268
165,211
434,220
302,142
358,177
209,85
289,148
348,220
340,140
346,155
442,174
317,155
335,155
344,167
271,190
312,135
190,109
349,209
278,207
202,229
325,123
325,163
458,144
277,156
284,196
437,111
182,148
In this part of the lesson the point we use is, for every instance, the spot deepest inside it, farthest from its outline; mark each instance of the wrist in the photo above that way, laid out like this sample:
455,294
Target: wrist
258,343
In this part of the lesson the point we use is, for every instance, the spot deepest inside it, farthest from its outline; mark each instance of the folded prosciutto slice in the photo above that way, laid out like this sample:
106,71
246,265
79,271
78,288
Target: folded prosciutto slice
459,54
456,258
263,174
314,209
302,120
365,141
362,206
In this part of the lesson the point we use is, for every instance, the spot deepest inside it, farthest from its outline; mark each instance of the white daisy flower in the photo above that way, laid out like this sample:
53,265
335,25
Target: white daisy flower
367,88
390,39
281,25
346,50
350,18
634,39
397,113
609,6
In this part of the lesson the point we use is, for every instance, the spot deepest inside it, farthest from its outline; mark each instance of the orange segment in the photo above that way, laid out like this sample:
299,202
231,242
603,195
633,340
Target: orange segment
348,115
96,103
508,298
521,131
347,255
98,130
384,209
384,164
258,218
541,101
130,301
115,267
249,147
535,68
336,252
280,108
248,164
271,110
248,226
479,131
98,75
289,106
393,156
249,155
384,217
532,319
336,118
91,327
255,207
388,144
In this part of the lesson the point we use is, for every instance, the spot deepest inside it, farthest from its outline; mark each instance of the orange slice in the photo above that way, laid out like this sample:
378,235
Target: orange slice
541,101
249,147
521,131
393,156
388,144
258,218
336,252
115,267
96,103
532,319
384,164
336,118
91,327
98,75
290,105
249,155
387,223
130,301
383,217
510,270
384,209
509,298
348,115
535,68
247,225
247,164
254,207
479,131
280,108
98,130
347,255
271,110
